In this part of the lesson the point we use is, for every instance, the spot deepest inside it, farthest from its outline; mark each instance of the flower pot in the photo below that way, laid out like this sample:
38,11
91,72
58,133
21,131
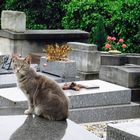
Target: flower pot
114,52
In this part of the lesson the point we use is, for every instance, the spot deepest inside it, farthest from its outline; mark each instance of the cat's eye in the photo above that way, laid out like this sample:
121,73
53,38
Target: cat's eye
15,65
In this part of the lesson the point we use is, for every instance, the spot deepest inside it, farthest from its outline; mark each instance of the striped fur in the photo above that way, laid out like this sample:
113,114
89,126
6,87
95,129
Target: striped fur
45,97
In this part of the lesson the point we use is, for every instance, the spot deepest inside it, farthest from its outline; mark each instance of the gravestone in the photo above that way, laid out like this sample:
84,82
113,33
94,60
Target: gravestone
122,69
108,102
13,21
87,59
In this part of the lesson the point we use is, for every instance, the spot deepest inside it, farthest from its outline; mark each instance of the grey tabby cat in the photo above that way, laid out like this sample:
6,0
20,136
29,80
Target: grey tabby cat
45,96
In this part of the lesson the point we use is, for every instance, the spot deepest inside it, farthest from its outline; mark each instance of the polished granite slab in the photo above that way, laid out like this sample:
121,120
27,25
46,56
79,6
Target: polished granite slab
24,127
7,80
106,94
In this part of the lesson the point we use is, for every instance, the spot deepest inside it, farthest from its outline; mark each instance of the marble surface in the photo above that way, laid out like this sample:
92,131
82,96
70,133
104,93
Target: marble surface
132,128
36,128
7,80
103,87
13,94
124,131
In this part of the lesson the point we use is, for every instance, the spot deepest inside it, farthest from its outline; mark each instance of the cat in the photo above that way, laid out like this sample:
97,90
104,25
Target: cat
45,96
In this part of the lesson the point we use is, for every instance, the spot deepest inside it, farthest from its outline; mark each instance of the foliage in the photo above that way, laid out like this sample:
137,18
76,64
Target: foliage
99,33
125,22
121,18
41,14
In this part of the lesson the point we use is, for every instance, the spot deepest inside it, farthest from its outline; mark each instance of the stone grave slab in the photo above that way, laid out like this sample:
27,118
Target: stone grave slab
124,131
97,104
7,80
106,94
35,128
105,113
126,75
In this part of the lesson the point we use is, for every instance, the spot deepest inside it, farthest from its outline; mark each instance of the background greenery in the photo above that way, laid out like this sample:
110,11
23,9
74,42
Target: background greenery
119,18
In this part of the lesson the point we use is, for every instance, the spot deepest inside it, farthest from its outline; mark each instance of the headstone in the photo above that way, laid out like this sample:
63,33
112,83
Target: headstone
13,21
87,59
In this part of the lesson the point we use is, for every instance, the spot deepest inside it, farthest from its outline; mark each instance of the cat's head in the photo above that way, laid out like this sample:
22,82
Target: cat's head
21,65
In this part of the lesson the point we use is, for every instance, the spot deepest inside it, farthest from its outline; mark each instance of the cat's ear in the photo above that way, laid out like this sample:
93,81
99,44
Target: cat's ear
28,59
14,57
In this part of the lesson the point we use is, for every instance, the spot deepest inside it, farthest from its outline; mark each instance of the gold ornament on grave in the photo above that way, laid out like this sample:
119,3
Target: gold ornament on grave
57,52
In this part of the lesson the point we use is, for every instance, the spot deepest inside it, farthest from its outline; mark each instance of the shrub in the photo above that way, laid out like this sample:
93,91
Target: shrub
99,33
121,18
125,23
41,14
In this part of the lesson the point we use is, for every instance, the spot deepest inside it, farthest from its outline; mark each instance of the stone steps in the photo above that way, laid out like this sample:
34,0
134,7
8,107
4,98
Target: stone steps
124,131
109,101
105,113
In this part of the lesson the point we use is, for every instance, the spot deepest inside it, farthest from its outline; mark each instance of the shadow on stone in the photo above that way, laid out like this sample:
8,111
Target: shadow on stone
36,128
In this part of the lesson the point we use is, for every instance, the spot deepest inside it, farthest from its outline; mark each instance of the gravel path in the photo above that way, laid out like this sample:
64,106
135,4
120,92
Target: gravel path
100,128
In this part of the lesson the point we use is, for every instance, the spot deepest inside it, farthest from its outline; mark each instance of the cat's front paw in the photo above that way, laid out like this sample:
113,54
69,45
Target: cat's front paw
28,111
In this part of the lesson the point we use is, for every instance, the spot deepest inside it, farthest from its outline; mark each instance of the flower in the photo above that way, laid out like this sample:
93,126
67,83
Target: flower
124,45
121,40
107,46
113,44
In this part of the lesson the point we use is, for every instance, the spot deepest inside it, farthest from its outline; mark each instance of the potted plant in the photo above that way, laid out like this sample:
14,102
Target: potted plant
115,46
56,61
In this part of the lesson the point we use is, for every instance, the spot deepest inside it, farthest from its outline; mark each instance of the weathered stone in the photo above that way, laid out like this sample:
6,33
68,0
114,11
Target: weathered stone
133,59
124,131
86,56
13,21
102,93
135,94
116,60
105,113
63,69
109,101
128,75
34,41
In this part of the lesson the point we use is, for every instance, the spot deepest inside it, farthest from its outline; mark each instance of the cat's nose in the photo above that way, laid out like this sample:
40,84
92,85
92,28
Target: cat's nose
18,70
